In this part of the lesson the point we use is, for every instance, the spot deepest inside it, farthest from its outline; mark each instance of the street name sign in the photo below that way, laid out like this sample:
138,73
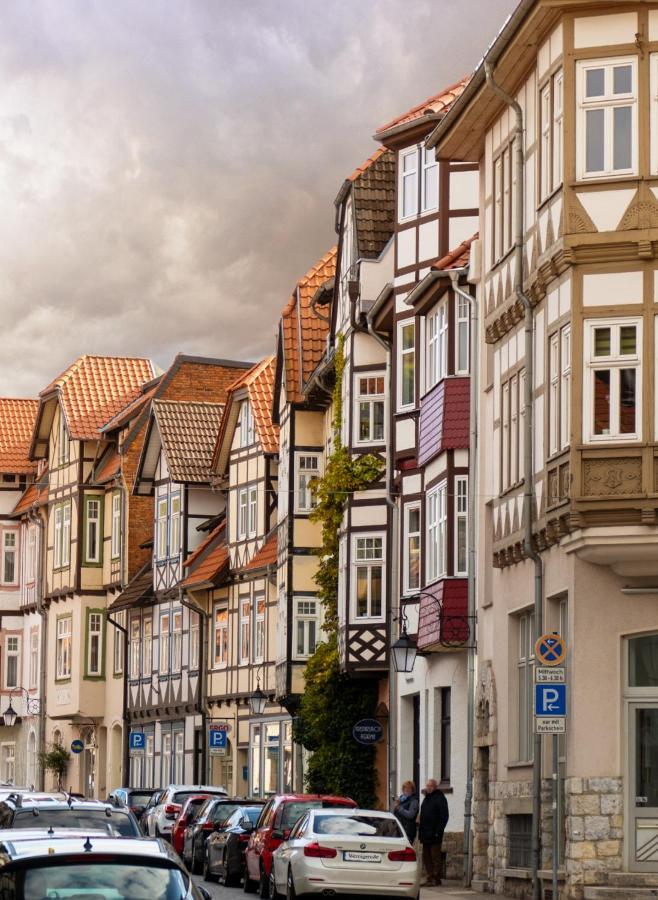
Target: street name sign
368,731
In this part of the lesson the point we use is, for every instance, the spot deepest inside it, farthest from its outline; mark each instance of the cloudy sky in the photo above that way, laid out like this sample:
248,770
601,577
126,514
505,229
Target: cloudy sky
168,167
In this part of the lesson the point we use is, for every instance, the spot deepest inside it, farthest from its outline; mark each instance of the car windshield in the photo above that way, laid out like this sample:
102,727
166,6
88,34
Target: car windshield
363,826
94,819
292,811
252,813
96,881
223,811
182,796
140,798
193,809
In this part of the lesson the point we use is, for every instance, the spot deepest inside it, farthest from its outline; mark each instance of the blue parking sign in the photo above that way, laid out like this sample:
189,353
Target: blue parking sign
551,700
217,739
137,740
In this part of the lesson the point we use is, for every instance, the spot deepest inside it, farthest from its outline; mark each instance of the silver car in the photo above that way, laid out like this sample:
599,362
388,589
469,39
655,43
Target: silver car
159,821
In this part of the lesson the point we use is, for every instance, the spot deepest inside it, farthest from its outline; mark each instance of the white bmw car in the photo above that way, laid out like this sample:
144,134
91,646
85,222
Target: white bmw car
346,851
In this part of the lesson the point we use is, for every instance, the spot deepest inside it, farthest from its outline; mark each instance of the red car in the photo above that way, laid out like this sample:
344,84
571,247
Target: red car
274,825
185,817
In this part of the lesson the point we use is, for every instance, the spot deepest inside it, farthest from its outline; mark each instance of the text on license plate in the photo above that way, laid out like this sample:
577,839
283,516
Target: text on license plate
355,856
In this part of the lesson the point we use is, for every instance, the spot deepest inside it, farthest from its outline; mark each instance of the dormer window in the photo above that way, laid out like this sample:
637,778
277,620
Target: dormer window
247,434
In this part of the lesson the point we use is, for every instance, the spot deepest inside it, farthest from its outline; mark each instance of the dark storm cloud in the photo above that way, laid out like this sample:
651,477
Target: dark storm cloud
168,169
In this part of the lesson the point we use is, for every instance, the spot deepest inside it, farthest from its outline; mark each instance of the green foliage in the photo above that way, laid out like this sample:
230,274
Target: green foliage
332,702
56,760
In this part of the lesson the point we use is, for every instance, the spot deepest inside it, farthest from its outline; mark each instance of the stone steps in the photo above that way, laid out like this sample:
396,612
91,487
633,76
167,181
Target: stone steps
620,893
633,879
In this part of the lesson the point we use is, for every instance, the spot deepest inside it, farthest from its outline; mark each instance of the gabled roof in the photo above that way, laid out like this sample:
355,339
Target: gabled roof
303,333
17,418
35,496
257,386
90,391
208,562
186,431
430,110
264,557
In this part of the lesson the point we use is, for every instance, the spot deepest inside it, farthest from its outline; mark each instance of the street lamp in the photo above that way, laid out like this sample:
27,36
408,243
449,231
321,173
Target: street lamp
257,700
404,651
10,715
32,707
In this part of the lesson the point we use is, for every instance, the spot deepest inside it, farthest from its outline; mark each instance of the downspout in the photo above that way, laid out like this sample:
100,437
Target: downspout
36,519
201,709
392,505
528,455
474,369
125,744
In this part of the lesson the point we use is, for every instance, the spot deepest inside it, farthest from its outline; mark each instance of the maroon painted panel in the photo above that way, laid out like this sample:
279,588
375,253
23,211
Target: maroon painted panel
444,418
442,617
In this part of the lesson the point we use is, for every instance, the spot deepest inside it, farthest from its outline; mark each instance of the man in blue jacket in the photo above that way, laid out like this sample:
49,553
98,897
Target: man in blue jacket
433,820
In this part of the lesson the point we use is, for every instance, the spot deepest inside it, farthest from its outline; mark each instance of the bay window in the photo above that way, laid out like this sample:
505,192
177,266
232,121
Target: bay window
614,384
461,525
406,364
437,345
92,529
220,641
11,661
94,643
9,559
368,577
307,626
411,561
607,117
308,468
408,183
370,402
436,509
63,647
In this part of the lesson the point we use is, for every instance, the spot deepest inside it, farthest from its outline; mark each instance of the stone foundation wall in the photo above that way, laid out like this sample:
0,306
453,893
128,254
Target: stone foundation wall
453,850
595,831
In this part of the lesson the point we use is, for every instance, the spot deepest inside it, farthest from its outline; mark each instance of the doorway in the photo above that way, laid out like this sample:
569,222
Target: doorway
642,754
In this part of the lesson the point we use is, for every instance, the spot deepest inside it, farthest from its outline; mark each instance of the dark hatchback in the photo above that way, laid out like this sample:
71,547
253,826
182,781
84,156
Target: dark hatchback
225,847
78,814
134,799
213,814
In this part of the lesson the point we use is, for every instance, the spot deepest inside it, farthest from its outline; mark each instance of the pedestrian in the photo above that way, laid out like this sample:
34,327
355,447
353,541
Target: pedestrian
406,810
433,820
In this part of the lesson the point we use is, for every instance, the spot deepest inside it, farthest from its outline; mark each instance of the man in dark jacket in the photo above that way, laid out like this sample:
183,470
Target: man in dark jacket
433,820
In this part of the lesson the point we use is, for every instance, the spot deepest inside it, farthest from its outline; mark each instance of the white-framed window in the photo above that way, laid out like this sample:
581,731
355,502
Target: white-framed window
342,577
307,626
174,536
503,202
551,135
243,511
161,525
63,646
92,529
247,432
408,183
94,643
406,364
461,525
165,626
245,629
437,513
166,759
57,537
116,525
308,468
462,334
259,628
512,415
64,440
34,659
220,637
8,760
31,557
179,757
194,641
429,181
147,647
177,640
559,399
606,134
368,566
436,338
525,624
11,661
613,394
370,406
9,556
253,510
66,534
411,570
149,756
558,128
135,645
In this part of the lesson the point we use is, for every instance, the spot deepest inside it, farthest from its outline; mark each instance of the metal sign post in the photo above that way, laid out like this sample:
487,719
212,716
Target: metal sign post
550,718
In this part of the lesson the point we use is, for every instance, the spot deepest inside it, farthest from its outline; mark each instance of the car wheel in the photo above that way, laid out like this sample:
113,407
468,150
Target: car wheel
248,885
291,893
207,874
274,894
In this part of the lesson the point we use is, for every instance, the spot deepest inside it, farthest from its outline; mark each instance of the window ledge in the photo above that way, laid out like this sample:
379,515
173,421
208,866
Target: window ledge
598,180
519,764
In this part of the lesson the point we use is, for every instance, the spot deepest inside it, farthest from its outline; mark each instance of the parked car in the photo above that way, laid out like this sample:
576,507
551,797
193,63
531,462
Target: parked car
215,813
149,809
135,799
274,824
185,817
170,802
226,845
94,866
356,852
43,811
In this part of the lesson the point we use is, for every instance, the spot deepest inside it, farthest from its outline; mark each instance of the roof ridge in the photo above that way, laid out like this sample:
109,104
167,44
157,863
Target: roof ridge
418,107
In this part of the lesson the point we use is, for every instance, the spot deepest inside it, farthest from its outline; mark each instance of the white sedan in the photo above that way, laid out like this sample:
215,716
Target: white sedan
346,851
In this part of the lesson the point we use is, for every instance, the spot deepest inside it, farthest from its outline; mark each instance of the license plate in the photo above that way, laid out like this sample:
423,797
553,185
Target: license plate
355,856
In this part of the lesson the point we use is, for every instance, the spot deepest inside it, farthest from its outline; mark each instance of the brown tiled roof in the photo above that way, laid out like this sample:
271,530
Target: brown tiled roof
373,194
438,103
264,557
36,495
138,591
95,388
303,333
208,561
109,467
458,257
188,431
132,409
17,418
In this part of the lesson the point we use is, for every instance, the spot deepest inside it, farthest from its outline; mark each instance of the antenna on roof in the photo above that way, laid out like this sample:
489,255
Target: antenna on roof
51,830
87,845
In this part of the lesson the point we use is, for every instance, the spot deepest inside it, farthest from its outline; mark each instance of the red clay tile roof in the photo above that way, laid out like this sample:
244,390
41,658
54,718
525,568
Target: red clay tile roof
17,418
36,495
458,257
188,431
95,388
438,103
205,543
304,334
209,564
132,409
109,467
264,557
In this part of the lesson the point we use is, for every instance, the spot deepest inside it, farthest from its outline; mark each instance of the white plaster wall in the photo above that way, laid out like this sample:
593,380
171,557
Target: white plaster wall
374,275
612,288
405,434
406,244
464,190
598,31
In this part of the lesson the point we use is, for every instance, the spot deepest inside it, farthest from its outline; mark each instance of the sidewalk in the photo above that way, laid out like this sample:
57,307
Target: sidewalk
452,892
